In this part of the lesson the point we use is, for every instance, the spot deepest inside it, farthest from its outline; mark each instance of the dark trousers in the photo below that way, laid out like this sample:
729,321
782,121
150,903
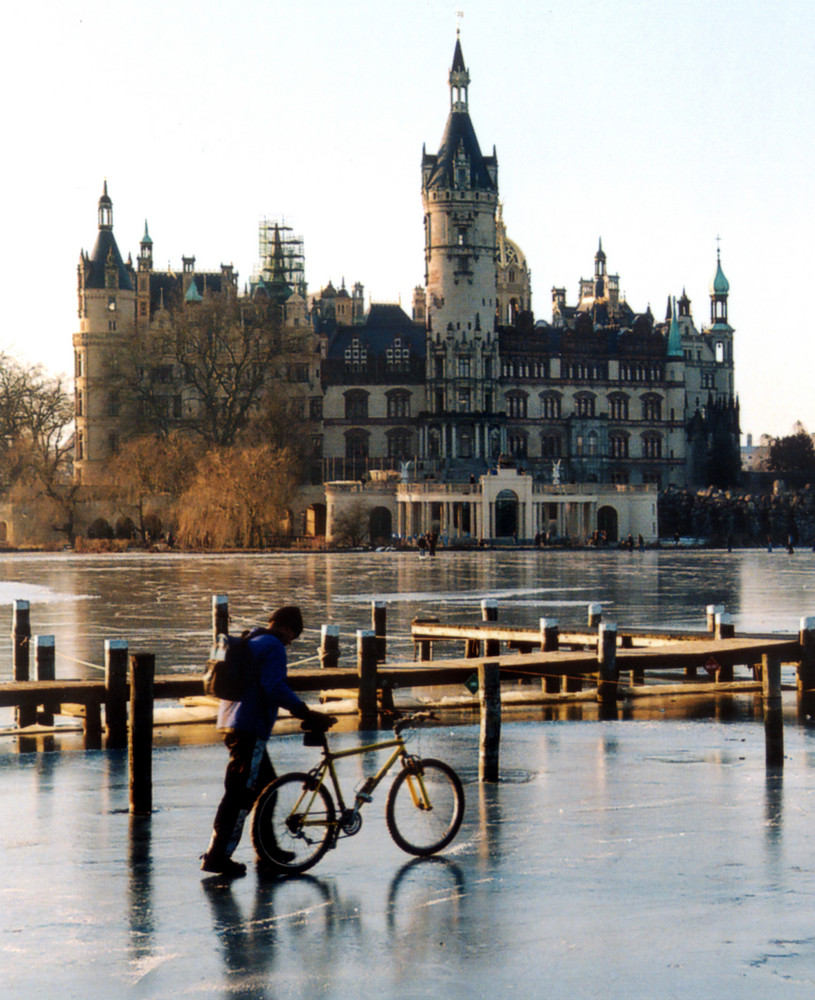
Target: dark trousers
248,772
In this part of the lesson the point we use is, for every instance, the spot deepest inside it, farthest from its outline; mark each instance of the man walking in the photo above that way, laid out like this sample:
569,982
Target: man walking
247,725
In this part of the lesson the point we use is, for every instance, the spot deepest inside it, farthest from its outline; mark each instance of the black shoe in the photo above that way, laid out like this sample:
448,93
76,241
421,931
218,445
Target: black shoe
220,864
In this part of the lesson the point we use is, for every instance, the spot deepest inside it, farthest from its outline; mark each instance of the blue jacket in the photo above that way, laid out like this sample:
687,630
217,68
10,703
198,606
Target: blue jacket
256,713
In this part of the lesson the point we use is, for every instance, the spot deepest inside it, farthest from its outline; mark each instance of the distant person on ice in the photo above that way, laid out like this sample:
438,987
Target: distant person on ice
247,725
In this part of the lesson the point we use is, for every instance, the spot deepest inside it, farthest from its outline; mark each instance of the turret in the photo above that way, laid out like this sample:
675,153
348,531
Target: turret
107,307
719,290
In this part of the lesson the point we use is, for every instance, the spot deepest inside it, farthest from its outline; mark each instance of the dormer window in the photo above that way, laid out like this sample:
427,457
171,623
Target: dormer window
356,356
397,356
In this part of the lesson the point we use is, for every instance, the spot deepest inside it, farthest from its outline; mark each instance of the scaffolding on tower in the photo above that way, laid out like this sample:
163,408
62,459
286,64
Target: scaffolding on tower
291,253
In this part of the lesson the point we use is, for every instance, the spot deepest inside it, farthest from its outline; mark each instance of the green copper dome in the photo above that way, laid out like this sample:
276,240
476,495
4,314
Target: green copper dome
720,285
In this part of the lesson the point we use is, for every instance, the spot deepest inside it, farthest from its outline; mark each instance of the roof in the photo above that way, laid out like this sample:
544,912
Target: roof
460,134
458,59
720,285
105,245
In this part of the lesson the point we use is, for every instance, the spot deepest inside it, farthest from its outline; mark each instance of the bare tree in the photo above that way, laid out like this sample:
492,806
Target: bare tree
206,367
36,413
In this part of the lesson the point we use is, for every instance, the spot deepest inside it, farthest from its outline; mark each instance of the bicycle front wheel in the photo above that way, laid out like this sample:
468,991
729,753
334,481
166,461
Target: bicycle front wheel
292,824
425,807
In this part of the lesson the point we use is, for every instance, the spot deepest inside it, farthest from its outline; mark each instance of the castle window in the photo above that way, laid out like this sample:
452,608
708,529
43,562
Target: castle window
315,408
550,406
618,407
397,356
399,444
584,404
516,441
356,445
356,356
618,445
463,367
651,446
398,403
113,405
551,446
79,402
356,405
651,408
516,404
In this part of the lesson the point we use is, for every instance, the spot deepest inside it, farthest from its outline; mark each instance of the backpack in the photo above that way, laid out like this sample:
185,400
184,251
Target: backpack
229,669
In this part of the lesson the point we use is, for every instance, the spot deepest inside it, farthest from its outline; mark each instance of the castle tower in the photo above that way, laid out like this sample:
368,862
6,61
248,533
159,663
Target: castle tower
106,308
460,197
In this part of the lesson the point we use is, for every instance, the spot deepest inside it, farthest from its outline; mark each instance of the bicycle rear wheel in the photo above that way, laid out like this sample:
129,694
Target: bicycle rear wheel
425,807
292,824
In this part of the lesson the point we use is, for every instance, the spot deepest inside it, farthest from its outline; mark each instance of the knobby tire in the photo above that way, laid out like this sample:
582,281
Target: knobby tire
420,831
277,824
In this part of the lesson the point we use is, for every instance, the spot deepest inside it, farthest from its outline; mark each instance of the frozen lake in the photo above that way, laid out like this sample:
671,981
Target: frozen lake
162,603
641,858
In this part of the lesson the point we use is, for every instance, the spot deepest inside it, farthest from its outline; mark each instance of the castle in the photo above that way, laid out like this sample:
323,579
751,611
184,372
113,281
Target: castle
600,394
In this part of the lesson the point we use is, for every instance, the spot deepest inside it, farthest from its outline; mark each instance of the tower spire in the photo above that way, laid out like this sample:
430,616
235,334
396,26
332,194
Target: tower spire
105,209
459,79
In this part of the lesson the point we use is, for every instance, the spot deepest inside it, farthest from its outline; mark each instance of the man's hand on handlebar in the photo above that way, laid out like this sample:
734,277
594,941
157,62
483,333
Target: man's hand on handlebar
317,722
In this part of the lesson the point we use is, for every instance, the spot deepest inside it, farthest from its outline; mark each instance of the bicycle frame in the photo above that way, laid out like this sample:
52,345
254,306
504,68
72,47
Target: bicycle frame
326,767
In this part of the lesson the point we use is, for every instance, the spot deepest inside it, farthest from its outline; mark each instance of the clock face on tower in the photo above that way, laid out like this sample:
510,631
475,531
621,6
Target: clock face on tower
112,305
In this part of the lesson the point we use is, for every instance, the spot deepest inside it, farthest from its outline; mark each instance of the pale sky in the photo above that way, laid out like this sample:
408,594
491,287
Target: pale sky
657,126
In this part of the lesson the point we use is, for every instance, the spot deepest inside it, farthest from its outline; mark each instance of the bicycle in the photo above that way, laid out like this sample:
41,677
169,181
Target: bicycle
296,819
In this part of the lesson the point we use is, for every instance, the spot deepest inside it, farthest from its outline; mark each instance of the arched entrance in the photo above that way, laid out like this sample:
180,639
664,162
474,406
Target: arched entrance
381,526
506,514
607,522
315,520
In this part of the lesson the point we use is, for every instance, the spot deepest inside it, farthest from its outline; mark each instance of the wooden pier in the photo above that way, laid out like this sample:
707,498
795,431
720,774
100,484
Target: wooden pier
601,663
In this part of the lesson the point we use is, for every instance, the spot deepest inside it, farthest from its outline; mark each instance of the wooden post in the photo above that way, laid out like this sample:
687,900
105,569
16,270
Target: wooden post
425,646
595,615
489,613
489,698
550,643
637,675
220,616
329,647
806,668
366,668
725,629
116,693
25,715
773,718
608,679
710,612
379,618
45,660
93,724
140,733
